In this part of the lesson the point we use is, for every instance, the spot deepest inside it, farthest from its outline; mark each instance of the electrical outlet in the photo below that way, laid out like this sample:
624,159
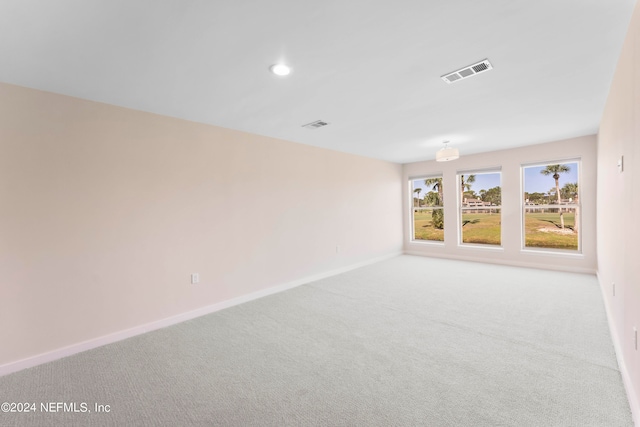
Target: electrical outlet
635,338
195,278
621,164
338,249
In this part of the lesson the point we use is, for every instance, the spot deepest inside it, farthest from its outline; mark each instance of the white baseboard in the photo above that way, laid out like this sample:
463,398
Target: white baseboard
59,353
501,261
632,396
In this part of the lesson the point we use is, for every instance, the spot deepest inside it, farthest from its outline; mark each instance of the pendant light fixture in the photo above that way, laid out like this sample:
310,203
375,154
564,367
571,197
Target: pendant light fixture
446,153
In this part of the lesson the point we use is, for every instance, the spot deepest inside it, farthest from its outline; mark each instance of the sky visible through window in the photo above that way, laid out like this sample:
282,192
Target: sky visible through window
535,182
484,181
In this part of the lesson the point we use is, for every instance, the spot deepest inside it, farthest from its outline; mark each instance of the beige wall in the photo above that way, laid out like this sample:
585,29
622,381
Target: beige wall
510,162
105,212
619,207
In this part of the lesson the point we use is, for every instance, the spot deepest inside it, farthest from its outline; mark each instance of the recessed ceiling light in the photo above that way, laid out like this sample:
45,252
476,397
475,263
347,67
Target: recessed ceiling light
280,69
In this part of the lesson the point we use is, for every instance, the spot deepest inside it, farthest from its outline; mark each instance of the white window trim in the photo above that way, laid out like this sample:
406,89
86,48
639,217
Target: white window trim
412,231
460,209
571,253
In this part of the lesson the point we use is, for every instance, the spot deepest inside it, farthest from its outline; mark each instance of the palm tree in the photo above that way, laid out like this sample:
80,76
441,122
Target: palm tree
466,185
437,215
417,191
436,185
556,170
569,190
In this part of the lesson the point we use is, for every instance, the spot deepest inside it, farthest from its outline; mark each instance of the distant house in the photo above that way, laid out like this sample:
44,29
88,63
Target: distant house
474,203
544,205
479,205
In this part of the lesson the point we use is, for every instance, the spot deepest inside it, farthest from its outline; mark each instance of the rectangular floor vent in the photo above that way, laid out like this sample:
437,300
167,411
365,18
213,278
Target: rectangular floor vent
466,72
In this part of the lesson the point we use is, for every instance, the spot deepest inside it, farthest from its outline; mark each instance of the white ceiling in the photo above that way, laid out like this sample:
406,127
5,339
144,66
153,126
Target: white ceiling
370,68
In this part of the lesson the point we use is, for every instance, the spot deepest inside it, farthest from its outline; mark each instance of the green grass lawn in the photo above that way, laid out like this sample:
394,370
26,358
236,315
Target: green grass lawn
542,230
481,228
535,238
424,229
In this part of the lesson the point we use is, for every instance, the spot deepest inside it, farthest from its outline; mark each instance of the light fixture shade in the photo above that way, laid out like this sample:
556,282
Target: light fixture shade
447,154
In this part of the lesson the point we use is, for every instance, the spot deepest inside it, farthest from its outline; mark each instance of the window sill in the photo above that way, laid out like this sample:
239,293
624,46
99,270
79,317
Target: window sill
494,248
426,242
552,252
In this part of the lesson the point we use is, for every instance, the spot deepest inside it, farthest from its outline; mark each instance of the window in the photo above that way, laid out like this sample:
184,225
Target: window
480,207
551,205
427,209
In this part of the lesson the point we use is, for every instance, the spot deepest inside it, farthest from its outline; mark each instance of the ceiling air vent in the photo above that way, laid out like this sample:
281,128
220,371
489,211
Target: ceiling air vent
471,70
315,125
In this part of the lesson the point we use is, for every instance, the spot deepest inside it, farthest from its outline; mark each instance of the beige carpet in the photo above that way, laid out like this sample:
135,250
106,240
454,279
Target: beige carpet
411,341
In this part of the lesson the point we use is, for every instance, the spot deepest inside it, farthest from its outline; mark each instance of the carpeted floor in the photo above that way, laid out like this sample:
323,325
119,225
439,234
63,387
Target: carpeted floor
410,341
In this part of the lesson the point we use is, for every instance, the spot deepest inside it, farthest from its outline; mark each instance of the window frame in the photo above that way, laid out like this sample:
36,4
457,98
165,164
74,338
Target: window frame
412,231
576,206
460,208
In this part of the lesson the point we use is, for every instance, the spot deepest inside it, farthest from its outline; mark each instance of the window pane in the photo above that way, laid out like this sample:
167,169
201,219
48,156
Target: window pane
481,227
427,211
551,206
428,224
543,228
481,198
